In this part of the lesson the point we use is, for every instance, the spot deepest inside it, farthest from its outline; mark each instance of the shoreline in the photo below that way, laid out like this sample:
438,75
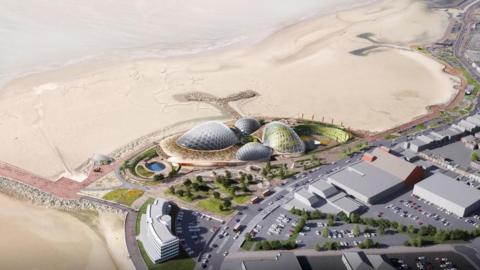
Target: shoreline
143,92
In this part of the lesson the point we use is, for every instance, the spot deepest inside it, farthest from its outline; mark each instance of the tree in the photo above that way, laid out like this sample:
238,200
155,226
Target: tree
356,231
158,177
318,247
227,204
416,242
265,245
325,232
400,227
249,177
171,189
441,236
354,218
195,186
367,243
381,229
366,229
342,216
189,194
411,229
474,156
187,182
330,220
199,179
180,192
248,237
216,195
275,244
228,174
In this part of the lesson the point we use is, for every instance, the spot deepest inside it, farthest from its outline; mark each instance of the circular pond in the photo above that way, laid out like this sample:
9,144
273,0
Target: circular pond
155,166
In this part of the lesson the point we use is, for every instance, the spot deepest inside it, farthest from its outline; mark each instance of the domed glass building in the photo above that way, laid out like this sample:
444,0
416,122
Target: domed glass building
253,151
208,136
247,125
282,139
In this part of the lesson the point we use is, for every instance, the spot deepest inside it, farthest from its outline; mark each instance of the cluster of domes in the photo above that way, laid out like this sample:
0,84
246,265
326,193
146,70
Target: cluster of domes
208,136
282,138
214,136
247,125
254,151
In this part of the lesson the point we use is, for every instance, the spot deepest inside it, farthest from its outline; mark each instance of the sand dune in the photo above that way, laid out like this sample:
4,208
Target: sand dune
57,119
39,238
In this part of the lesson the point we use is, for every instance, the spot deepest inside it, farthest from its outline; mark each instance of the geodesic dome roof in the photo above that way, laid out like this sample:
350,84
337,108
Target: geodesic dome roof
254,151
282,138
247,125
208,136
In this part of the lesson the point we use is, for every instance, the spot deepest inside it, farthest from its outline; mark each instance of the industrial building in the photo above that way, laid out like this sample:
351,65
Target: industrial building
306,197
344,203
283,260
379,175
323,189
446,192
360,261
155,232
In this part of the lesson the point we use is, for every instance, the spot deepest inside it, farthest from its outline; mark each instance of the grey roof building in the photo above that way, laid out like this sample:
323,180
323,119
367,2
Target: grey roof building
468,126
344,203
322,188
366,182
474,119
448,193
359,261
396,166
155,232
283,260
306,197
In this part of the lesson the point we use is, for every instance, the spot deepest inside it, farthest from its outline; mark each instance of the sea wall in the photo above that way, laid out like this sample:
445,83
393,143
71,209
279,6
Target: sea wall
22,191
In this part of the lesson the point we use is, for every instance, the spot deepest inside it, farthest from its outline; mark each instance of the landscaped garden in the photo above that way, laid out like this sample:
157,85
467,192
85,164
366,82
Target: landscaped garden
123,196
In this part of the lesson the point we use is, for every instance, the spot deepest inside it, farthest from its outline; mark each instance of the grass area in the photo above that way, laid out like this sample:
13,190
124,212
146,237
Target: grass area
213,205
123,196
143,172
357,148
242,199
330,131
181,262
131,164
248,245
141,211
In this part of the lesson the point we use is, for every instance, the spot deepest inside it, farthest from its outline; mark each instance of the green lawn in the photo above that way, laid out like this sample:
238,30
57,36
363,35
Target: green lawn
143,172
181,262
141,211
248,245
213,205
123,195
242,199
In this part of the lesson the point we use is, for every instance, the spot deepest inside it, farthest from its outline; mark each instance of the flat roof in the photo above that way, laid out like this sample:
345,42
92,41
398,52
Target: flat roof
286,260
450,189
392,164
364,178
357,260
418,142
325,187
305,193
161,221
346,204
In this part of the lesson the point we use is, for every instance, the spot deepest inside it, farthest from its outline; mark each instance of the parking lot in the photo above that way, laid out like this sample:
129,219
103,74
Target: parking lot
193,230
408,209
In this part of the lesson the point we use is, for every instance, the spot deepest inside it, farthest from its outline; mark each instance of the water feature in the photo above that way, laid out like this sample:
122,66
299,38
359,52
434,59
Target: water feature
155,166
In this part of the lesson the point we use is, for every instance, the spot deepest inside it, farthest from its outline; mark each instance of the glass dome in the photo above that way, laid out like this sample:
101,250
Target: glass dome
208,136
247,125
254,151
282,139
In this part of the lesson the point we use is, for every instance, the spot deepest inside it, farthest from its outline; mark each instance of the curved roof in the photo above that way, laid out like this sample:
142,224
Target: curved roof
247,125
101,158
282,138
208,136
254,151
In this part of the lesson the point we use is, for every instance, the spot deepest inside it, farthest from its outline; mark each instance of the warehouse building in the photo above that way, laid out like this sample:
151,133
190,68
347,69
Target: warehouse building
323,189
448,193
306,197
379,175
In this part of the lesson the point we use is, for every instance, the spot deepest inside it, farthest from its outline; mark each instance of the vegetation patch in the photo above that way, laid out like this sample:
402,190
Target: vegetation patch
131,164
242,199
143,172
338,134
215,205
123,196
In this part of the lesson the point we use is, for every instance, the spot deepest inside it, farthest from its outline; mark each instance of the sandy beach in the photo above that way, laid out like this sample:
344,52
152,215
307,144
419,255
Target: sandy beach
40,238
55,120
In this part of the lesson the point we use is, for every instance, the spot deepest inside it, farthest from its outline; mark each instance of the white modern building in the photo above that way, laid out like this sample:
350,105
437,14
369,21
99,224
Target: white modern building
448,193
155,232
